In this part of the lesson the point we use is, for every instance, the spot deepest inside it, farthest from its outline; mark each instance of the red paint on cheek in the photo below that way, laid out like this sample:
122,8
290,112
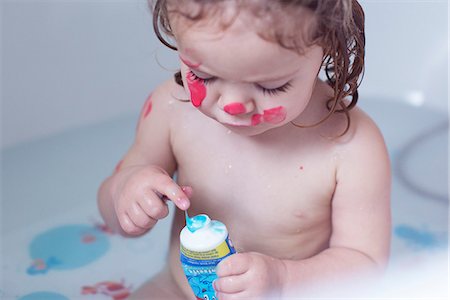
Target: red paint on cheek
197,89
234,108
275,115
256,119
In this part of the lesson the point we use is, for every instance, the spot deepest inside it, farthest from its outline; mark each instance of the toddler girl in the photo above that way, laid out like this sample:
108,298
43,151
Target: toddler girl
299,175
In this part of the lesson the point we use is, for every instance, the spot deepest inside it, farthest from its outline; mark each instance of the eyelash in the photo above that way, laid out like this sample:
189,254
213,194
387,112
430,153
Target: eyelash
275,91
204,80
271,92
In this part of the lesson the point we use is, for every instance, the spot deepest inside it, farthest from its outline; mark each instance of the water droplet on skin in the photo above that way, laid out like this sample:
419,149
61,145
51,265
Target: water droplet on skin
228,168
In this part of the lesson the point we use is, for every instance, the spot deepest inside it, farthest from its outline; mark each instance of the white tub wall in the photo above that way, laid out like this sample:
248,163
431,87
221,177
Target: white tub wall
71,63
407,51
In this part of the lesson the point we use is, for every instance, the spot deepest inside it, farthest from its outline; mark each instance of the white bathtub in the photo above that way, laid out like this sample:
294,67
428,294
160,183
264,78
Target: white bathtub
52,168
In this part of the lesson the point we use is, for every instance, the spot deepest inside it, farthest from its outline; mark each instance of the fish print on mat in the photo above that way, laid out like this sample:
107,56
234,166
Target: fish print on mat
115,290
66,247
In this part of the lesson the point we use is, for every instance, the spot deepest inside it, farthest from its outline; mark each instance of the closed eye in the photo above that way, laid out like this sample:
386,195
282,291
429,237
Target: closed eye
203,80
274,91
266,91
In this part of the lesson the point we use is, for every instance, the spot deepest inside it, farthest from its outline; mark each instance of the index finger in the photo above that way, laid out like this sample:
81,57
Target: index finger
175,193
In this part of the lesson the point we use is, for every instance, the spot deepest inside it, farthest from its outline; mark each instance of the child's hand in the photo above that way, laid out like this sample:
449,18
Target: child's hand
249,275
140,197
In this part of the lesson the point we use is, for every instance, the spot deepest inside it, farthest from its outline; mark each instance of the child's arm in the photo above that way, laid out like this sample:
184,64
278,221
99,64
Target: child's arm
361,215
361,226
130,199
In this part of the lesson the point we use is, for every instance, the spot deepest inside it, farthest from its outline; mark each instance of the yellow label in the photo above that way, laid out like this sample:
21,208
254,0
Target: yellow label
218,252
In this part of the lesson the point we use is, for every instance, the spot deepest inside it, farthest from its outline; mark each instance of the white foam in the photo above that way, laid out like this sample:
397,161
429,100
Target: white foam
204,239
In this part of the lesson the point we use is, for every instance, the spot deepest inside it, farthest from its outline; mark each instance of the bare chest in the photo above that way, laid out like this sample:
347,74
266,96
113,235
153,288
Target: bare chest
262,192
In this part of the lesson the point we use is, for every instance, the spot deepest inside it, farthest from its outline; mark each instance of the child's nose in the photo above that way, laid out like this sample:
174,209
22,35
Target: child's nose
238,108
235,108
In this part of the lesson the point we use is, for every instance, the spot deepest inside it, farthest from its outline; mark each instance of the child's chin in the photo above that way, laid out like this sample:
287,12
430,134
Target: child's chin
247,130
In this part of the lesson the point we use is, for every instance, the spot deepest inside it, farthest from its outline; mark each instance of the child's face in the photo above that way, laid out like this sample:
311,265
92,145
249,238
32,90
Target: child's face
242,81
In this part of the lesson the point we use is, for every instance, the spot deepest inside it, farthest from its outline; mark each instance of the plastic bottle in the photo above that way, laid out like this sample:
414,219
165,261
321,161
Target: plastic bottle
203,244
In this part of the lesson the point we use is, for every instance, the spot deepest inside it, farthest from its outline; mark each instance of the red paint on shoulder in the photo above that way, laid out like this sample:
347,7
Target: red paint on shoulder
147,107
117,168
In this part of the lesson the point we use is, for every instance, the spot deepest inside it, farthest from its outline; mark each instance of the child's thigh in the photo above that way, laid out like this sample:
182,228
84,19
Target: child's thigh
162,286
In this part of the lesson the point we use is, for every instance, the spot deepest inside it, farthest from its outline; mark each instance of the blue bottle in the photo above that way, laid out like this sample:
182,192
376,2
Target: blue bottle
203,244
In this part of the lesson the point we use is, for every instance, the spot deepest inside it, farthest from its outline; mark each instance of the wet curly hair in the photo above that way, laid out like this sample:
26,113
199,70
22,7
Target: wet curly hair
338,28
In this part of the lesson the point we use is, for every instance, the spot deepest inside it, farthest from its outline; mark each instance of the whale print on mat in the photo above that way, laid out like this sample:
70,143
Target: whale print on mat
66,247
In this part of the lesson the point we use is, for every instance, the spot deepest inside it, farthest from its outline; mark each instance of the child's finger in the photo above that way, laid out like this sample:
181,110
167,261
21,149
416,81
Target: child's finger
234,296
187,190
173,191
233,265
128,226
154,207
229,284
140,218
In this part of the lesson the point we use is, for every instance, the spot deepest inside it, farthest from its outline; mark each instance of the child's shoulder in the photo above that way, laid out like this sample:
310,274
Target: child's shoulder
162,107
363,141
343,130
169,90
363,129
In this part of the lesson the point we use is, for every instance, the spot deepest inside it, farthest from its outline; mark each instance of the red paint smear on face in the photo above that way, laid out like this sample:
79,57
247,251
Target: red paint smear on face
197,89
273,116
234,108
188,63
256,119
